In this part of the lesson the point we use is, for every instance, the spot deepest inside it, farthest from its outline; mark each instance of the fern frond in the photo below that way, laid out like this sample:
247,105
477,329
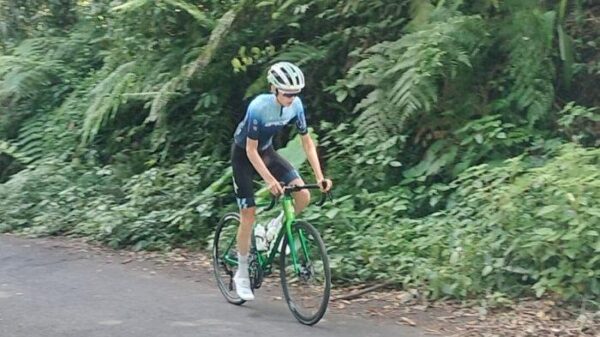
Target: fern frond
12,151
161,99
302,53
36,47
373,119
106,100
530,70
405,73
214,42
23,77
29,68
189,8
179,82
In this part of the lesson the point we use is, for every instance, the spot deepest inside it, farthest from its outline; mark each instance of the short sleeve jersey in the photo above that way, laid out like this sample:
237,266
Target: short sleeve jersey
265,117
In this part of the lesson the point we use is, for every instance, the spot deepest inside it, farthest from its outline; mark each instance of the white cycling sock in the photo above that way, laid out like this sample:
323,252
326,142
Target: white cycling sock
242,266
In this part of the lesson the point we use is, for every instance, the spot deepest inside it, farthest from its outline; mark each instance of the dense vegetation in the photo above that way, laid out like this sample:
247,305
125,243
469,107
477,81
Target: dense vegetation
462,136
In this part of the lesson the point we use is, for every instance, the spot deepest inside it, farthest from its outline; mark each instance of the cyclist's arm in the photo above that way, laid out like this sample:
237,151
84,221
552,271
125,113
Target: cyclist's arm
255,123
311,154
257,162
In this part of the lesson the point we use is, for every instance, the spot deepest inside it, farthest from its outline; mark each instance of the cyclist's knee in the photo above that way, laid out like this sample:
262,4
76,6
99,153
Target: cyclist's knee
304,195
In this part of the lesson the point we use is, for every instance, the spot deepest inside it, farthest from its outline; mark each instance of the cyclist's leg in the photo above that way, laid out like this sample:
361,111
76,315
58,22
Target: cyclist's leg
301,198
245,230
283,171
243,172
242,277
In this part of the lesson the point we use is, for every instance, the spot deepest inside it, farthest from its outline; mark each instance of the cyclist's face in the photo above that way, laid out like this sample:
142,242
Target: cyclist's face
286,98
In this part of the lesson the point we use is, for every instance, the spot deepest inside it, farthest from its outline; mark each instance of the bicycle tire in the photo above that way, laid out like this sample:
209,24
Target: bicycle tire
226,234
309,267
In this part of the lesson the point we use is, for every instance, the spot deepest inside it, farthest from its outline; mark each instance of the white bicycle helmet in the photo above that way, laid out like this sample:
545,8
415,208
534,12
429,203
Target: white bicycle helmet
286,76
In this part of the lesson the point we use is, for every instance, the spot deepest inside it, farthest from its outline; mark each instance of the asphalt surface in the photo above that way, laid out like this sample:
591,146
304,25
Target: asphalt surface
47,291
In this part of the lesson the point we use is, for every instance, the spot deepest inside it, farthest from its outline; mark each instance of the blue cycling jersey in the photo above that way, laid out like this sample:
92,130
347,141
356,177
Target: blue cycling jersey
265,117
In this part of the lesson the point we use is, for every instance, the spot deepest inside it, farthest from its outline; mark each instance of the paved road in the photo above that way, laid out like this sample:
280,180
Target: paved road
50,291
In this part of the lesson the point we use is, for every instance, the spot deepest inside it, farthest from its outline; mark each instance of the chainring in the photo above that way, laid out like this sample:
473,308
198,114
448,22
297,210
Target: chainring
255,271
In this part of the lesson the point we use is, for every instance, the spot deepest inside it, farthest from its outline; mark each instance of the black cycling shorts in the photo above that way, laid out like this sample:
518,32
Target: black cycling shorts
243,172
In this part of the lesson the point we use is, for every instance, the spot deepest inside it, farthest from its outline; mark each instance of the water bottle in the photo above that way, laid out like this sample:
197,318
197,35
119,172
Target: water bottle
273,228
260,236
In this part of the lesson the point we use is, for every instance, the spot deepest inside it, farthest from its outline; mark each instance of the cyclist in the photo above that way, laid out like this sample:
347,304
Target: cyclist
252,152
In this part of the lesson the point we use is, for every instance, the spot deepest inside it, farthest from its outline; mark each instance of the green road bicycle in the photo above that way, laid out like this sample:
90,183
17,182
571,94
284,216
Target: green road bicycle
303,262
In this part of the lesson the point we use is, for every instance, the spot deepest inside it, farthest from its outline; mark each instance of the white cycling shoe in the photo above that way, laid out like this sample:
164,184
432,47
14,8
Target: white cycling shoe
242,287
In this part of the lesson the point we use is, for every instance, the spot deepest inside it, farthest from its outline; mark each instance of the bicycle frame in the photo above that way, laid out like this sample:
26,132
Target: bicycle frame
266,259
303,261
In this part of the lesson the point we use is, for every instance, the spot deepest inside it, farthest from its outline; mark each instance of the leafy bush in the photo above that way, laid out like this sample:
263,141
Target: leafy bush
51,197
510,228
152,210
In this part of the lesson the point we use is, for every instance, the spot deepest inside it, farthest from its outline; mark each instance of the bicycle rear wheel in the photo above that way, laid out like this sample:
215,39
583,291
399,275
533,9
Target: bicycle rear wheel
225,258
306,285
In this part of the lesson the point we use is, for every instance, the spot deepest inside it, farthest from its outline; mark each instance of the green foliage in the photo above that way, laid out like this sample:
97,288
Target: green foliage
30,198
580,124
511,228
154,212
28,70
528,85
106,99
9,149
488,138
147,211
156,209
538,223
352,153
406,73
193,11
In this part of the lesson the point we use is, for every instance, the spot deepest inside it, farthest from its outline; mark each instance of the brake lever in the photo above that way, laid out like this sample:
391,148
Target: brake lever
273,203
324,197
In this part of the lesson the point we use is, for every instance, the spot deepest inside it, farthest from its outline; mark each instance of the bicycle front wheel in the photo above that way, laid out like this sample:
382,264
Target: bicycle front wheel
224,254
306,283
